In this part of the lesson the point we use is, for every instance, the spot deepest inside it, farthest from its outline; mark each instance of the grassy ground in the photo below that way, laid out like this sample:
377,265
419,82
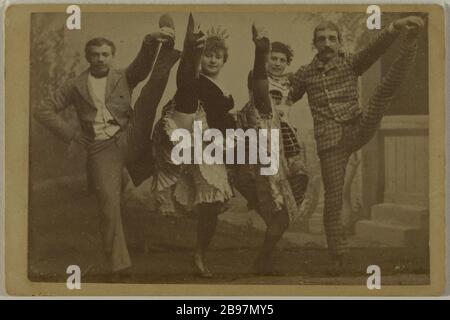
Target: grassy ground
64,230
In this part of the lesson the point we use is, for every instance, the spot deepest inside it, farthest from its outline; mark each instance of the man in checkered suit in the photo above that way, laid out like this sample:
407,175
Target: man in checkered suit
340,125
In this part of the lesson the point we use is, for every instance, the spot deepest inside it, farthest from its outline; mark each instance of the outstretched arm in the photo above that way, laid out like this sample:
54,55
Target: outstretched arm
298,85
260,87
372,52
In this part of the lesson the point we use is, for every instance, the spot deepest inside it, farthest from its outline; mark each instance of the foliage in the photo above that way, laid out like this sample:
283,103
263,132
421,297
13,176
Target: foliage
49,68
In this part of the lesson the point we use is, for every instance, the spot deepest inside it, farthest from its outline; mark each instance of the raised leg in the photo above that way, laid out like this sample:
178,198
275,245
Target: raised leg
384,92
137,137
187,95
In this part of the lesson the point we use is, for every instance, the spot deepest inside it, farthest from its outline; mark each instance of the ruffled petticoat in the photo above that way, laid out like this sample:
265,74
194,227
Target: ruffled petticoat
178,188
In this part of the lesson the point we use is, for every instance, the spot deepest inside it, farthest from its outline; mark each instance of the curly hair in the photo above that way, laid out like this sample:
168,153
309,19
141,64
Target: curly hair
283,48
216,44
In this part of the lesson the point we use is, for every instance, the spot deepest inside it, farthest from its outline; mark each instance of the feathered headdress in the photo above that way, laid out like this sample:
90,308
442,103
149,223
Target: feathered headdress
217,33
215,40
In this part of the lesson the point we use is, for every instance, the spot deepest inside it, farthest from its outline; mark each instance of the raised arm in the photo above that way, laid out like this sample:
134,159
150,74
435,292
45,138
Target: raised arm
362,60
298,85
260,87
48,113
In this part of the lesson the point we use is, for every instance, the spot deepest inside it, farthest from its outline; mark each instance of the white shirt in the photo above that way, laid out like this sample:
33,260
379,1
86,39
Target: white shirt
97,89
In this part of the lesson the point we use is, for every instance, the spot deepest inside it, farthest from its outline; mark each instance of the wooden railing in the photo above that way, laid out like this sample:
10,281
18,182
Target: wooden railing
403,147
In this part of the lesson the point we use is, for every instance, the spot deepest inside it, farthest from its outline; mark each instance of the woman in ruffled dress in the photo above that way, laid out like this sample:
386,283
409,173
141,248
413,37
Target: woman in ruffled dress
199,97
276,198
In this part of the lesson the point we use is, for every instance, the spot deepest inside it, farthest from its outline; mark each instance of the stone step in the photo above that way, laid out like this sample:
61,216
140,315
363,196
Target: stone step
400,214
391,234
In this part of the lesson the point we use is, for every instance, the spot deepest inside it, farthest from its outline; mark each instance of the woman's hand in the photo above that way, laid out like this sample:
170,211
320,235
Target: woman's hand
195,38
260,38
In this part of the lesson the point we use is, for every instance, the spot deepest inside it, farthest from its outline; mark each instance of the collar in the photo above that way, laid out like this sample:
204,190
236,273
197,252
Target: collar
319,64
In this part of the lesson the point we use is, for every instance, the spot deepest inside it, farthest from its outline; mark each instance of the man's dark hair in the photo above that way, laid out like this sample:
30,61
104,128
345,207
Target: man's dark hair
330,26
283,48
97,42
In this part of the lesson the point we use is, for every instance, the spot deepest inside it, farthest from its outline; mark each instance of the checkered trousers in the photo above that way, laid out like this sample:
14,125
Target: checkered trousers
359,132
355,135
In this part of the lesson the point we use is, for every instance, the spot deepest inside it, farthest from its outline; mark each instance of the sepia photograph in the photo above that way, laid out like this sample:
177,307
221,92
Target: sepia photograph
236,146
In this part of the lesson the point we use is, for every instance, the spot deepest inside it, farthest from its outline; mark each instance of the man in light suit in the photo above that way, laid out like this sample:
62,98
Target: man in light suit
113,134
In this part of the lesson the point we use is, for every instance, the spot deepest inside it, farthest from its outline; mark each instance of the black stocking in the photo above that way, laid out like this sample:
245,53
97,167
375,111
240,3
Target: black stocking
206,227
207,222
276,227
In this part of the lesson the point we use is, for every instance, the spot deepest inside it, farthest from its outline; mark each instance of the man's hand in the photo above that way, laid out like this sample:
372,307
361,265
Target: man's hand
164,34
412,25
82,140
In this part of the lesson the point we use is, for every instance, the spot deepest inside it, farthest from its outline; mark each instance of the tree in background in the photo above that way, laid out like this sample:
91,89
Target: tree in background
48,70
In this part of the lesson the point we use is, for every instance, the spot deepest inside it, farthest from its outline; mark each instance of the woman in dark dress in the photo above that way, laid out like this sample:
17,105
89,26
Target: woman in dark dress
200,97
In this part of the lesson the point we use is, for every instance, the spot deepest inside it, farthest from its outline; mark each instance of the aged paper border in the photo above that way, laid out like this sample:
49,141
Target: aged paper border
17,44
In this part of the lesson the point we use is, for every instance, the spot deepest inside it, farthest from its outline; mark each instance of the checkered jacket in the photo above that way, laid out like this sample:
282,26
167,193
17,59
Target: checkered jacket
333,88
